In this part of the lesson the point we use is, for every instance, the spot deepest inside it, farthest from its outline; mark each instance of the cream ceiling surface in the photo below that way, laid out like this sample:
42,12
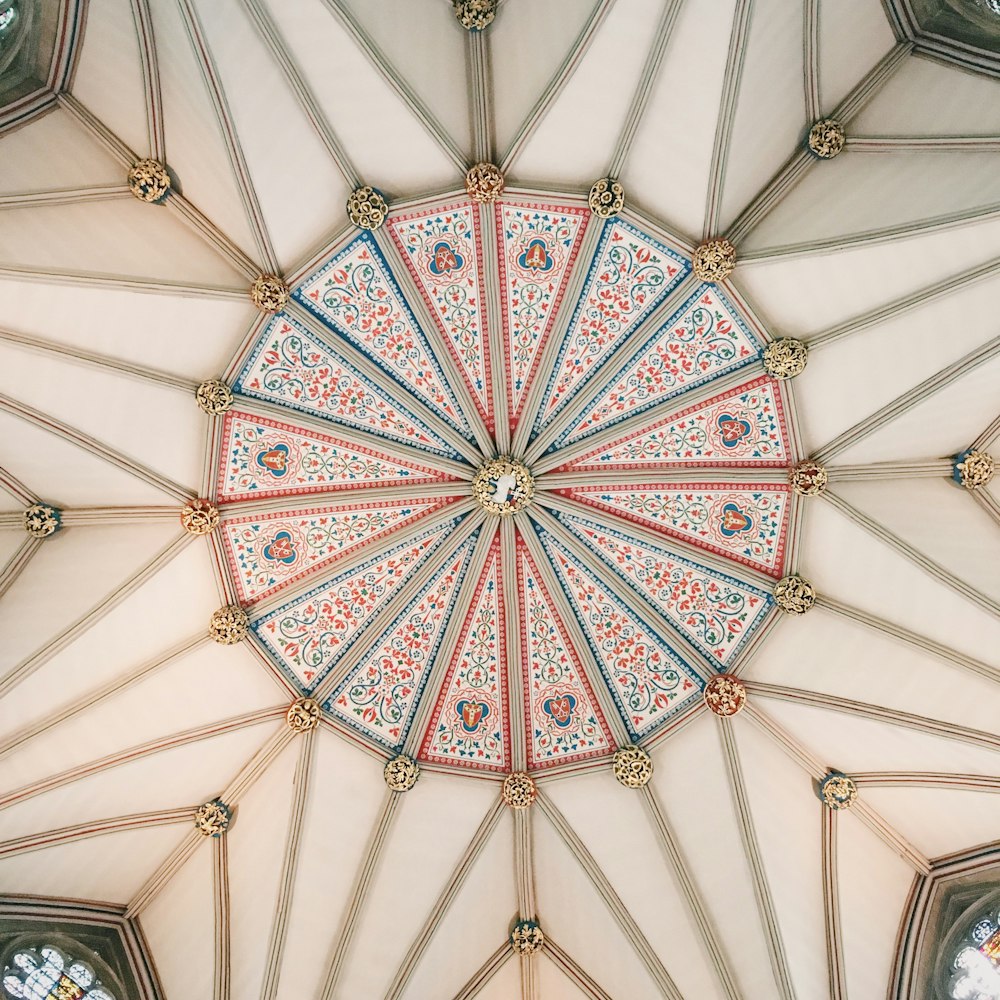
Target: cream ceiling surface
725,877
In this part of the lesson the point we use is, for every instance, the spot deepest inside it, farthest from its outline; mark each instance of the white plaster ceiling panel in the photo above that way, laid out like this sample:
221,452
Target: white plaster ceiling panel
405,32
192,337
557,26
570,131
28,165
966,103
378,568
670,163
805,295
195,144
767,120
853,36
355,98
108,78
296,183
873,889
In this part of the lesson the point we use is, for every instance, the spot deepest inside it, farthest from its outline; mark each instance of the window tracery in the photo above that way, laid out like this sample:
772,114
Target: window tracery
50,973
977,962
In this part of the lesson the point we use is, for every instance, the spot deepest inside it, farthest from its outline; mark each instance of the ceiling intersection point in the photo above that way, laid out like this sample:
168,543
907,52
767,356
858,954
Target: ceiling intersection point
808,479
974,469
401,773
200,516
519,790
149,181
229,625
826,139
213,818
838,790
632,766
303,715
474,15
214,396
41,520
606,198
269,293
484,183
785,358
714,260
527,938
367,207
794,594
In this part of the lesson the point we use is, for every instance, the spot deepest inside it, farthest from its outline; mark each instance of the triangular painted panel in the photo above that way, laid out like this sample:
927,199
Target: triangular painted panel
268,552
290,367
563,721
379,696
648,680
356,295
629,277
747,522
309,634
537,247
716,613
705,339
743,427
470,724
267,458
443,251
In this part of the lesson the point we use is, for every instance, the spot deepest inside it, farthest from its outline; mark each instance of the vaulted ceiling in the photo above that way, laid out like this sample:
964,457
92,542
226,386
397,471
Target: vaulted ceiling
658,439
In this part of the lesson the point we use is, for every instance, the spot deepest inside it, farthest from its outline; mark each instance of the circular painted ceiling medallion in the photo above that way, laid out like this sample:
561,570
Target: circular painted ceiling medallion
367,522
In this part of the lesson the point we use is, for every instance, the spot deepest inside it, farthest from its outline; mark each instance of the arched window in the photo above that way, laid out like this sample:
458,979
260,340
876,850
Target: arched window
50,973
8,17
977,962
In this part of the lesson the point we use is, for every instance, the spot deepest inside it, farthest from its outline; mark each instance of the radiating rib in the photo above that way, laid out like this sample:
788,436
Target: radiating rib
479,70
146,40
230,795
770,925
99,360
988,502
742,15
311,108
810,60
558,82
800,160
95,828
435,918
945,653
898,307
227,128
568,966
88,279
983,442
62,639
927,779
489,229
416,106
94,447
359,892
16,564
290,866
134,753
65,196
524,864
223,924
650,72
836,975
923,143
485,973
908,400
12,485
931,567
710,936
645,951
932,469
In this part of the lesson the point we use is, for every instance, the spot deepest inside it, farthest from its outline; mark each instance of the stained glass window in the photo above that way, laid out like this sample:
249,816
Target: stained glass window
977,964
7,18
50,974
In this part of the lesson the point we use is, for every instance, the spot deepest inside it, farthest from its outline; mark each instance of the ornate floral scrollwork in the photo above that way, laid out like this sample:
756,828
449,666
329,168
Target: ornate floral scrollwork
794,594
367,208
213,818
229,625
632,766
41,520
484,182
974,469
785,357
714,260
503,486
808,479
401,773
214,396
149,181
827,138
303,715
838,791
607,197
269,293
725,695
200,517
475,15
519,790
526,937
